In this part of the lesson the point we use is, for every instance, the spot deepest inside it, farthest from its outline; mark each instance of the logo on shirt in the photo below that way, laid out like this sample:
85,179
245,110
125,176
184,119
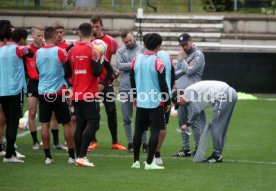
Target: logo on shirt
80,71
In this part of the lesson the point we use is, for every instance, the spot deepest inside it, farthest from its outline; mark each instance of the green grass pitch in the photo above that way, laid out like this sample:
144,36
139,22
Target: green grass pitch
249,161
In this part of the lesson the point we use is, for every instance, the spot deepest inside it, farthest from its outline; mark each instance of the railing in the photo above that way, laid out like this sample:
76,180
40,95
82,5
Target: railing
159,6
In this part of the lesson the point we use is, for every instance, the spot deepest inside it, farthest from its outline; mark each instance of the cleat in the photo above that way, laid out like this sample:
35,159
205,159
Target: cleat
2,153
84,162
71,161
153,166
183,153
13,159
49,161
60,147
35,146
136,164
214,159
92,146
20,156
158,161
130,148
145,148
117,146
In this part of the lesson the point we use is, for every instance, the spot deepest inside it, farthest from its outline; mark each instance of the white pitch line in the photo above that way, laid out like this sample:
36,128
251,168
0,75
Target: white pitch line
165,157
23,134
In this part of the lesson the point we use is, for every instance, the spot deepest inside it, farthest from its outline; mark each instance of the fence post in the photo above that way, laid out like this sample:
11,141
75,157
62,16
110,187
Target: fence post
26,2
235,5
141,3
189,6
113,4
64,3
132,4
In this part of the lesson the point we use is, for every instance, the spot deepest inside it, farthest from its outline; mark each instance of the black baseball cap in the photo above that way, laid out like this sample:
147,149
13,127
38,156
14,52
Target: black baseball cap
184,38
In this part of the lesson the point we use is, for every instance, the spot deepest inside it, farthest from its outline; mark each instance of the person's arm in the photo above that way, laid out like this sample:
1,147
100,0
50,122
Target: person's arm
62,55
69,47
109,72
67,70
121,61
132,78
181,58
195,65
23,52
161,71
172,74
114,46
97,67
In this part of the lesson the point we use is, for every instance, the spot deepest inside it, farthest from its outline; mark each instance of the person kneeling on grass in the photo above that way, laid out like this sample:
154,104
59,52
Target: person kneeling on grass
223,98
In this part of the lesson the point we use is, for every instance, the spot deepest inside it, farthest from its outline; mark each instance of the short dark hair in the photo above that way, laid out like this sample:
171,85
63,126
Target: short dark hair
5,33
18,34
145,37
125,32
49,32
152,40
96,18
85,29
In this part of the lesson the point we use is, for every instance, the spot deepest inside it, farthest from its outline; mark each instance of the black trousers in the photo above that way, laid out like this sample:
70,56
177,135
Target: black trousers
88,119
108,97
12,107
153,118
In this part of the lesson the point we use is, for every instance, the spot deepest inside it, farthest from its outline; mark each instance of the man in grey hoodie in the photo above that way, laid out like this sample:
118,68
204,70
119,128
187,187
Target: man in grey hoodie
189,70
124,56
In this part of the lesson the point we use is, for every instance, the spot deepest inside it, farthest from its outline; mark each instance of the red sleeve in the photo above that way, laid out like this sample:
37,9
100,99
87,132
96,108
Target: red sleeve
114,46
133,63
62,55
159,65
21,51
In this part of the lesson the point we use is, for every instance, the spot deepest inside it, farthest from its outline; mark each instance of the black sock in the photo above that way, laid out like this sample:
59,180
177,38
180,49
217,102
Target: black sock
1,147
34,136
47,153
71,153
55,136
157,154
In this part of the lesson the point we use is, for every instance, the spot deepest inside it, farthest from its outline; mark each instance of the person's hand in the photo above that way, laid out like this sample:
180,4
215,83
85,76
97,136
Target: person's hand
181,55
191,63
167,108
100,87
184,128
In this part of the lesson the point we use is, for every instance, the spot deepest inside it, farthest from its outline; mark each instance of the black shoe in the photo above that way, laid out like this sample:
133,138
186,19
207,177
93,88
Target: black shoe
145,148
183,153
214,159
130,148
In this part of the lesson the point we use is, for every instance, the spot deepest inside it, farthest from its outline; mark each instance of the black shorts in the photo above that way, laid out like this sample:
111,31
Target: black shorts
87,110
32,88
58,106
153,118
12,106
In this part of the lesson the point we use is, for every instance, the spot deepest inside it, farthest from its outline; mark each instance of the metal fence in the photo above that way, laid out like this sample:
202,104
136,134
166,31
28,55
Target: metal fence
160,6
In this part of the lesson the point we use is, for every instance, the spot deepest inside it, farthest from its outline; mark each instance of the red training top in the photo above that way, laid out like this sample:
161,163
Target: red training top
85,84
112,47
